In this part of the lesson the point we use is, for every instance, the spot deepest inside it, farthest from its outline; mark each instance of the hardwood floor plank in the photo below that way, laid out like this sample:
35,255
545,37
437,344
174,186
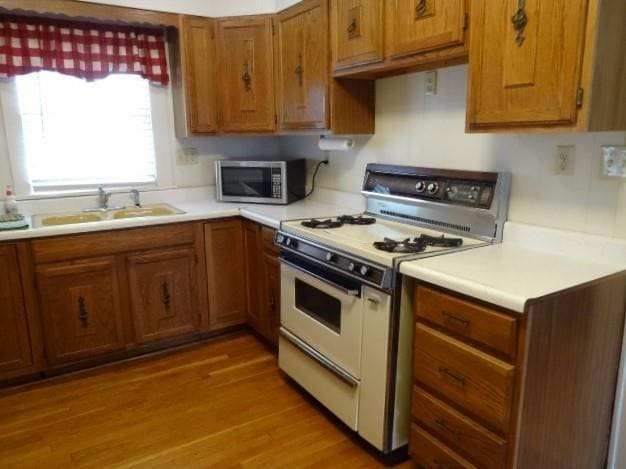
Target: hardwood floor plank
221,404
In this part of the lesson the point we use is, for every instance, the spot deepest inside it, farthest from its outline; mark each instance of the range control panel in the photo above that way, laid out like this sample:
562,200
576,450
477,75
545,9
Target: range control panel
460,187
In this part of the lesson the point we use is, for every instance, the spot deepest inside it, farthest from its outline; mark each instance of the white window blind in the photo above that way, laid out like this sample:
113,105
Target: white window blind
79,134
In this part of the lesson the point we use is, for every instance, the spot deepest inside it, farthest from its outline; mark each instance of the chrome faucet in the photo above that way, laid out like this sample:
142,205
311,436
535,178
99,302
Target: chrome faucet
103,199
134,194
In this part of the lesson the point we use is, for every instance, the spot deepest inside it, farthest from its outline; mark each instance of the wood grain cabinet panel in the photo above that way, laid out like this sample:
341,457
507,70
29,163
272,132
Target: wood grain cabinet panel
271,267
473,380
81,308
357,33
430,453
15,343
163,294
303,67
529,73
418,26
253,247
245,75
199,80
225,273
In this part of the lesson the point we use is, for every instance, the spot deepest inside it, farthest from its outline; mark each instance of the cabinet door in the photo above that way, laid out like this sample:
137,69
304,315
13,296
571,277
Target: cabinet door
163,294
198,44
303,66
356,32
245,75
15,346
81,308
272,296
416,26
225,273
254,276
525,64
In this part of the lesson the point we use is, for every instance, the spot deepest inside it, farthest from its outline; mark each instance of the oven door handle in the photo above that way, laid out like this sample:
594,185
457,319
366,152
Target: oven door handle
342,289
318,357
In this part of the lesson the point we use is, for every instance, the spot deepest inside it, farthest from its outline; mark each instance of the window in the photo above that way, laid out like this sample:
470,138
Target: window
79,134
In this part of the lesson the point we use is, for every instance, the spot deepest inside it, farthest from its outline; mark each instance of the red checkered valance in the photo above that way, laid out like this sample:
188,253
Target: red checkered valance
85,50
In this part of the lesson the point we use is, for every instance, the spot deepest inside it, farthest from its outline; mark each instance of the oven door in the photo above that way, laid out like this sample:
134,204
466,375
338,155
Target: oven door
324,310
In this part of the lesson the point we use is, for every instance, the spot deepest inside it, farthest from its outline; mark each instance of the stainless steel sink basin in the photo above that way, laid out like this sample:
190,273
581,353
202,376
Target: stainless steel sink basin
72,218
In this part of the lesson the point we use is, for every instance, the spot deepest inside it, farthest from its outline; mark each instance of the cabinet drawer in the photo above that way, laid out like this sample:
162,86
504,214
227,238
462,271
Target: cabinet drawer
477,382
474,322
429,453
458,431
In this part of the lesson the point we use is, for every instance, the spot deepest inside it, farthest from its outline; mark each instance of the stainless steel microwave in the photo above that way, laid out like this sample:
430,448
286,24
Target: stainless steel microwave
262,182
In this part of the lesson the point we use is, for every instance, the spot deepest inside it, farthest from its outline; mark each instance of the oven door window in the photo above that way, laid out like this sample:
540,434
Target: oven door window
247,182
322,307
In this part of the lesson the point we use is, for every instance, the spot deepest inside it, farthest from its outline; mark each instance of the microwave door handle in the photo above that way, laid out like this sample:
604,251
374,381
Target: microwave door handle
341,288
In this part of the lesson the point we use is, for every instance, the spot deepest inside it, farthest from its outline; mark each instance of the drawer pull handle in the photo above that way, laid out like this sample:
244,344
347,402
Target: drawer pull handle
449,374
448,315
448,428
83,314
165,296
352,26
420,8
300,70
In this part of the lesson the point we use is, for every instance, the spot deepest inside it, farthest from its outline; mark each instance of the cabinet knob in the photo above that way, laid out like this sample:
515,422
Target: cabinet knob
352,26
420,8
246,77
520,20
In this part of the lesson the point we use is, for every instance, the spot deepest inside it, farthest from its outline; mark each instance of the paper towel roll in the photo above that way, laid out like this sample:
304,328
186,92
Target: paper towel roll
336,144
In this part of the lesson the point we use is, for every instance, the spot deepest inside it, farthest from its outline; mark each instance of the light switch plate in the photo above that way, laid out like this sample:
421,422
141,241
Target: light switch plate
187,156
430,83
565,159
614,161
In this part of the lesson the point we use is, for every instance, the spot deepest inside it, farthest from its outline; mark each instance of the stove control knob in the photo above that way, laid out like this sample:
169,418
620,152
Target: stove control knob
292,243
420,186
331,257
433,188
280,239
352,266
365,270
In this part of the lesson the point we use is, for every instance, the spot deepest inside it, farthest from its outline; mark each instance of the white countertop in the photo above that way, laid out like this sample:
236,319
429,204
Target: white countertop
530,264
204,208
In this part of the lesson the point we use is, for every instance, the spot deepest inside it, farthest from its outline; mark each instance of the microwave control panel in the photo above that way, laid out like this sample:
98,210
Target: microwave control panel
277,192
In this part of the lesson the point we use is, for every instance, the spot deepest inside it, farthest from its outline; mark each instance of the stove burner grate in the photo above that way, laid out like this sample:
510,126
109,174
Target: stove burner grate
358,220
417,245
339,222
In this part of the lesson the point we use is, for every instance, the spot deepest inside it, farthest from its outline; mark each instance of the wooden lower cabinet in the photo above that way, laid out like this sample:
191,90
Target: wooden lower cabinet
225,273
163,294
81,309
477,401
16,352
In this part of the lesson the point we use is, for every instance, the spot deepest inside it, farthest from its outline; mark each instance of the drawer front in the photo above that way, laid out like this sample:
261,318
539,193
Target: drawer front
474,322
457,431
429,453
111,242
477,382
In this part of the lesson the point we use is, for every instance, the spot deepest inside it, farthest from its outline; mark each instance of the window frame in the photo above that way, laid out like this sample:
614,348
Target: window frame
160,98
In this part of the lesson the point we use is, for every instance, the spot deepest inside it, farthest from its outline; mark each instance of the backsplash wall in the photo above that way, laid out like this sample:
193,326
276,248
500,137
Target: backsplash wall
417,130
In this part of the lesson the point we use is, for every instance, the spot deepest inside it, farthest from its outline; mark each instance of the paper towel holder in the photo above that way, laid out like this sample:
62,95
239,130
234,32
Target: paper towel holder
336,144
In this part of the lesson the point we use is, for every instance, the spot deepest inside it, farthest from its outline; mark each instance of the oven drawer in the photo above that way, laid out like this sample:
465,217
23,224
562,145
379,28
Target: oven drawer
479,383
485,326
340,396
430,453
458,431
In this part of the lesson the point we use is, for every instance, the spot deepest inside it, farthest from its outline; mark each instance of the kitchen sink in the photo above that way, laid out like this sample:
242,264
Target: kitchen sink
72,218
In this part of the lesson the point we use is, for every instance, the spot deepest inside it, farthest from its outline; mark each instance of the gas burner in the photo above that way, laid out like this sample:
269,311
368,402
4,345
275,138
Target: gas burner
358,220
322,224
406,246
417,245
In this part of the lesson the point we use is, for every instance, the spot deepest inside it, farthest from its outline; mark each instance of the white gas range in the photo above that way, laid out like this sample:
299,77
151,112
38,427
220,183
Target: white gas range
346,319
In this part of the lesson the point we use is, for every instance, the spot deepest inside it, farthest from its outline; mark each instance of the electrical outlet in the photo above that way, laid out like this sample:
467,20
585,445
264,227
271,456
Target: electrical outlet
564,160
614,161
430,84
187,156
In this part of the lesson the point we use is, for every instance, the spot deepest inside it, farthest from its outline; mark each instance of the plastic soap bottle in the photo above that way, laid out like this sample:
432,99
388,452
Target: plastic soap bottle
10,202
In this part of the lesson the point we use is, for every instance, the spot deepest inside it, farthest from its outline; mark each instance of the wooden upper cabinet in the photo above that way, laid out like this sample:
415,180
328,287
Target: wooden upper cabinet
81,308
303,67
245,75
198,43
225,273
418,26
163,294
15,344
357,32
526,64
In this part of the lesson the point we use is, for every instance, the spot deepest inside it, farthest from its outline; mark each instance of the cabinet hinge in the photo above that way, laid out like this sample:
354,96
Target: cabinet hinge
465,20
580,94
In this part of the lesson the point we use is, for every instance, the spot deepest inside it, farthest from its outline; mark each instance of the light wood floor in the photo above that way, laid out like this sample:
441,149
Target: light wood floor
222,404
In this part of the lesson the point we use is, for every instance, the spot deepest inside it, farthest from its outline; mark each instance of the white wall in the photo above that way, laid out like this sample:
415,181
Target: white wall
417,130
205,7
